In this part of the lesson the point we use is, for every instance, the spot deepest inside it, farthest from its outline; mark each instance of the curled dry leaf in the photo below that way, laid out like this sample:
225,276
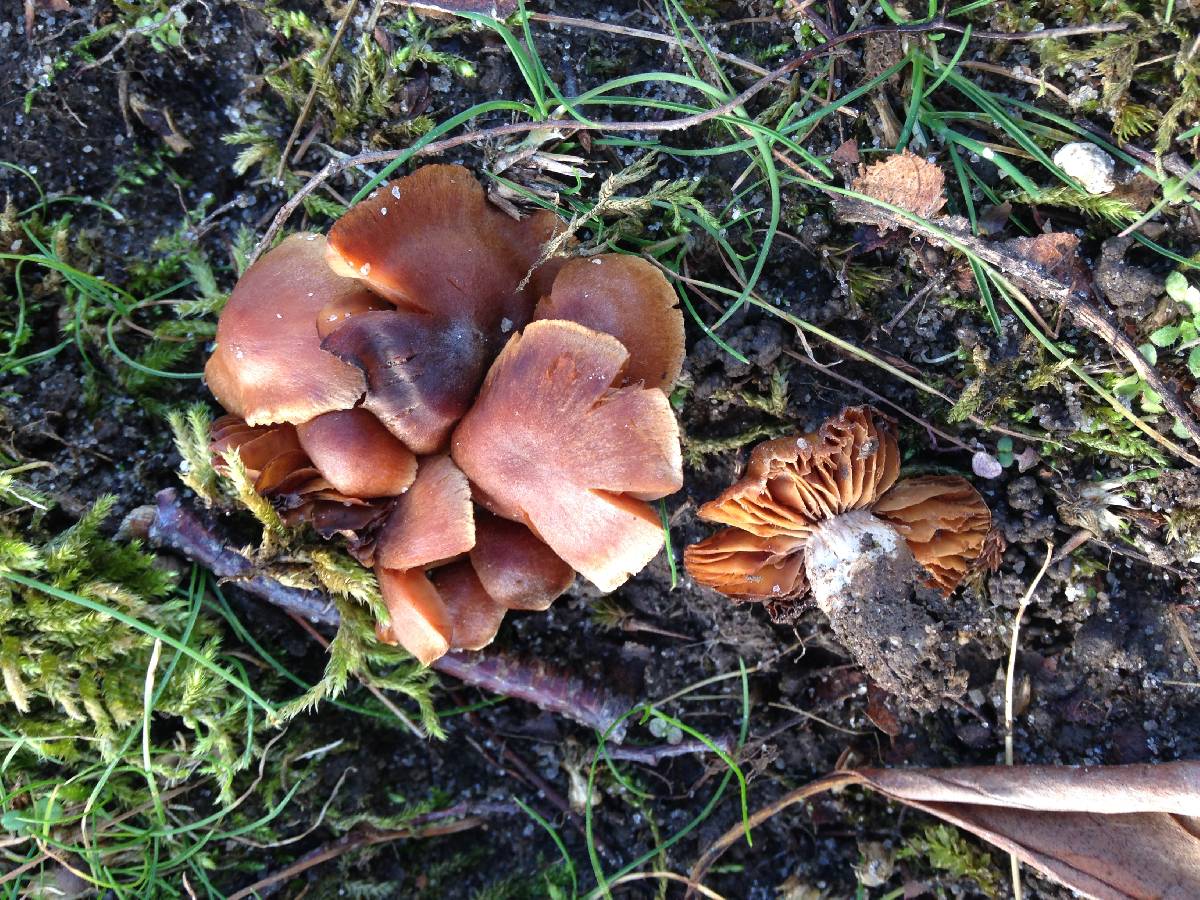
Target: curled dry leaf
905,180
1108,832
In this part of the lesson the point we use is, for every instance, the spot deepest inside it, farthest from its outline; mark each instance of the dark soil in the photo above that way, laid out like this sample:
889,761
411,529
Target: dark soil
1103,673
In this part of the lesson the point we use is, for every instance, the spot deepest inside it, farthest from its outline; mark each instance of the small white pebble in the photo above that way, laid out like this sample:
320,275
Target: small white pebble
364,269
396,191
1087,164
383,210
988,153
985,465
279,315
506,325
597,262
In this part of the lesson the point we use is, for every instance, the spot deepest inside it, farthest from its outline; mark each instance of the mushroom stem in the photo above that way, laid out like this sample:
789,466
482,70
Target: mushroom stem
861,572
855,554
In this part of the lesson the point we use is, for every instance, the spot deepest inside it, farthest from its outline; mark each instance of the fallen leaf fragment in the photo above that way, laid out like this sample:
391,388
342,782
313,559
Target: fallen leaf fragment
905,180
1107,832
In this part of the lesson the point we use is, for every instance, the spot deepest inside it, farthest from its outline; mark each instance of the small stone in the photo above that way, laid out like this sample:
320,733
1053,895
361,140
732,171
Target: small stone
985,465
1087,164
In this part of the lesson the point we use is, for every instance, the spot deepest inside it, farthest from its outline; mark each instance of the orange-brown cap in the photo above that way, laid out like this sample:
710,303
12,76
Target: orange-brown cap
792,483
433,520
552,444
357,455
418,618
476,615
944,521
629,298
516,569
268,365
747,567
432,242
422,371
271,455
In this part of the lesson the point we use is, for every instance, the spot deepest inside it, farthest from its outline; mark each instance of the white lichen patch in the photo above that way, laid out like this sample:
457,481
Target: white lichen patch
1087,164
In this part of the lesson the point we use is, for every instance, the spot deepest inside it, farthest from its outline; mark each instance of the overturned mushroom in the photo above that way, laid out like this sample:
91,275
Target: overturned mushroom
478,424
823,514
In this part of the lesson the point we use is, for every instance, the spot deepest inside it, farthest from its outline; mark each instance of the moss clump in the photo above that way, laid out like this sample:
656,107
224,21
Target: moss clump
75,678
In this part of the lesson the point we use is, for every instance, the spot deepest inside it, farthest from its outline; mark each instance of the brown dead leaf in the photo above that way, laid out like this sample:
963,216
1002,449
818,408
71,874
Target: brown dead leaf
1056,254
905,180
846,154
159,120
879,710
1108,832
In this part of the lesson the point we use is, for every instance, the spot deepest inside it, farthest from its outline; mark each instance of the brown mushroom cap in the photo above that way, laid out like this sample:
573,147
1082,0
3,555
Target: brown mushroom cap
553,445
357,455
515,568
422,371
629,298
433,520
748,567
271,455
340,310
268,365
431,242
792,483
944,521
476,614
418,618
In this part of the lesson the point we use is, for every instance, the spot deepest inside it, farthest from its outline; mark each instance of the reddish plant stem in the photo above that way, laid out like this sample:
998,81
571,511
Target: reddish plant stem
177,527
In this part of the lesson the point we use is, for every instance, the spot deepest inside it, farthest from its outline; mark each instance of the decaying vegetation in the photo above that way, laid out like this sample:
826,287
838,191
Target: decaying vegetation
982,220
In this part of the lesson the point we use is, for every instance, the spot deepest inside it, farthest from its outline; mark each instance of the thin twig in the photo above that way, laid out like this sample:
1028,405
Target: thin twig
667,876
336,166
177,527
1029,277
1045,34
312,91
1016,76
1008,692
350,843
738,831
878,398
626,31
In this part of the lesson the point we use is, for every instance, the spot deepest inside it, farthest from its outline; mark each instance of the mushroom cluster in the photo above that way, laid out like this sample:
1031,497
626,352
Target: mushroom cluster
481,427
824,514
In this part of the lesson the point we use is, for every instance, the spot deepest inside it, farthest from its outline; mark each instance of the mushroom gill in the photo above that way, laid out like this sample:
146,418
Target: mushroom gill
824,514
796,489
